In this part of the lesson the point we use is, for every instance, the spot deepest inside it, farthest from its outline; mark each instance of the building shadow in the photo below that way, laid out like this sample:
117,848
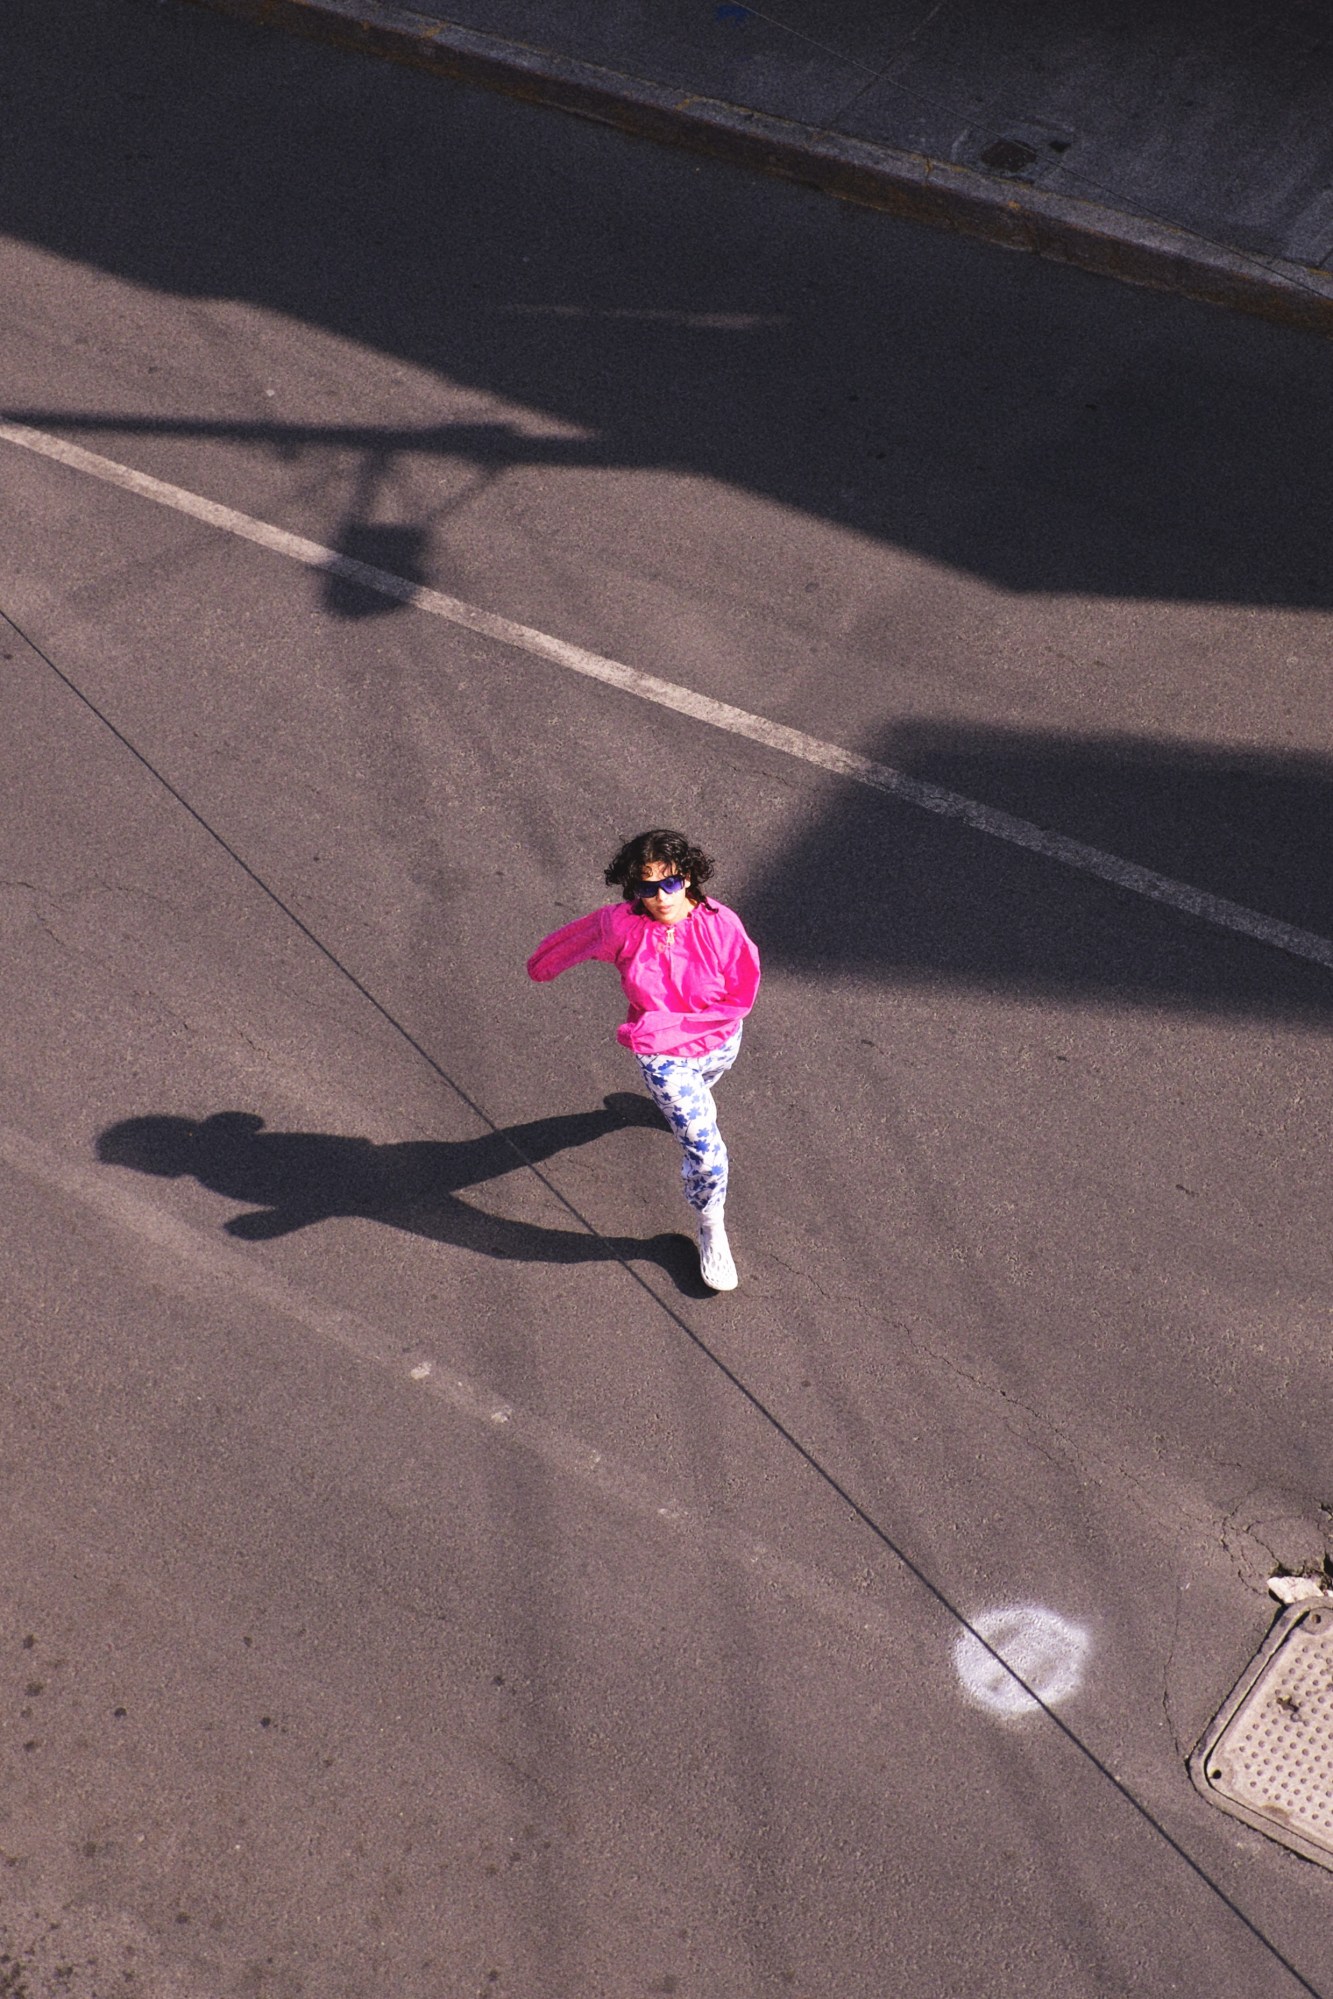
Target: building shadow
930,395
881,887
292,1180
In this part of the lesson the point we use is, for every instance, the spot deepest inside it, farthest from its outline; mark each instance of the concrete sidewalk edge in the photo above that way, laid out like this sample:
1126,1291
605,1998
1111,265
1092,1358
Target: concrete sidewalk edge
1095,238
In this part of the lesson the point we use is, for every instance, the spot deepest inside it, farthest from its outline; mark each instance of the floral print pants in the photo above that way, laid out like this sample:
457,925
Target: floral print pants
682,1088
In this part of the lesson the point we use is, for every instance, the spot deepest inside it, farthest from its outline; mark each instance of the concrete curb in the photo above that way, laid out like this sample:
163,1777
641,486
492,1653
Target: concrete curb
1017,216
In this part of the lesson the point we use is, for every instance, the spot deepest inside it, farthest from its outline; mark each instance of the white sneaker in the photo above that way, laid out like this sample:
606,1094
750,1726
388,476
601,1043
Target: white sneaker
715,1261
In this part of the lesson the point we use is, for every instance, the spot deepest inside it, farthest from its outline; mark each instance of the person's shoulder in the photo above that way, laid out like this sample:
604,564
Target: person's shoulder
725,928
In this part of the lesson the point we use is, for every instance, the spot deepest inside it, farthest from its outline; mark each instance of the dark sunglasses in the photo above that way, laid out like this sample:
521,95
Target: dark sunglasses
669,885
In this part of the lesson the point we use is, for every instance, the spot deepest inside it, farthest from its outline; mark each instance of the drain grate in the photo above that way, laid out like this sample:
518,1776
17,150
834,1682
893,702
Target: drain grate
1268,1757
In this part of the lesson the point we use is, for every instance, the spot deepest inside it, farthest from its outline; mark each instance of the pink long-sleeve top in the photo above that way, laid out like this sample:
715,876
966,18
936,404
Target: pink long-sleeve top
689,984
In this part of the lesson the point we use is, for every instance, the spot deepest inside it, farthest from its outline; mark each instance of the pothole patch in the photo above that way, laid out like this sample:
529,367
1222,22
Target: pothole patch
1267,1758
1022,151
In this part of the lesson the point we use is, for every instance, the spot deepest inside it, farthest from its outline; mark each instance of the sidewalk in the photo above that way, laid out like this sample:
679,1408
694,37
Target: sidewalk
1151,140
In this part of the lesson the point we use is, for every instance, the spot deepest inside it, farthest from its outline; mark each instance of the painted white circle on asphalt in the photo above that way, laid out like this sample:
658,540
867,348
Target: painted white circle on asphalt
1043,1648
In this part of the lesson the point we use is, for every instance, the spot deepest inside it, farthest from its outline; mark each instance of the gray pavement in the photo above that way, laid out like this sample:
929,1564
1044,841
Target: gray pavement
1169,146
449,1599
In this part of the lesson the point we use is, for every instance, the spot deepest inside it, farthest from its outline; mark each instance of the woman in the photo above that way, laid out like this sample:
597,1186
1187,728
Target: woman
690,975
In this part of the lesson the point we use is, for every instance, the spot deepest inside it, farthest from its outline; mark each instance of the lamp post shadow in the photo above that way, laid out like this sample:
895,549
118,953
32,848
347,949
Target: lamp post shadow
291,1180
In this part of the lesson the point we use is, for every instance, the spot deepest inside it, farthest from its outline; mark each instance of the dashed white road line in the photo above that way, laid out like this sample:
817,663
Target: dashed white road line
1212,909
193,1264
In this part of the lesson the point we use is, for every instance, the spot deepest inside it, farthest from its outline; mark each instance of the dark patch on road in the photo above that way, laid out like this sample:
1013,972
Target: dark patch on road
294,1179
475,241
956,906
398,548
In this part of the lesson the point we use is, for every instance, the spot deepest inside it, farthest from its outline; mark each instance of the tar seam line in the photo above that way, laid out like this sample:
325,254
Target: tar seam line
768,1416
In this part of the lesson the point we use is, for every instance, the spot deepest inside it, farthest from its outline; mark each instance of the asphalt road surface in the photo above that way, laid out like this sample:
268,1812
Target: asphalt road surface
413,1583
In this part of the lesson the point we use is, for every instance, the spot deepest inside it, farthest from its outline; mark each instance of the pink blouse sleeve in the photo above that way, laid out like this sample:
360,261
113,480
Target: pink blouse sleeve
742,969
586,937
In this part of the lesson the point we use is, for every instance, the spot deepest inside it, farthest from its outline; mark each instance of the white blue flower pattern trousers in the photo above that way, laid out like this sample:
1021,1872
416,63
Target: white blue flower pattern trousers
682,1088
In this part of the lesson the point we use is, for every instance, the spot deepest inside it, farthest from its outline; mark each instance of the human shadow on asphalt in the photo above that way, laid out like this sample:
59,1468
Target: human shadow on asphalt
881,887
291,1180
1051,432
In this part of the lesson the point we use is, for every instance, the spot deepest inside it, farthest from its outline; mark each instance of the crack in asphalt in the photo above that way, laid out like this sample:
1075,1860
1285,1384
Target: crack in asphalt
1167,1670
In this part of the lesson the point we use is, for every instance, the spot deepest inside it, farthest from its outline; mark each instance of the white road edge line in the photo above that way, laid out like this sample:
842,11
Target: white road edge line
1213,909
199,1266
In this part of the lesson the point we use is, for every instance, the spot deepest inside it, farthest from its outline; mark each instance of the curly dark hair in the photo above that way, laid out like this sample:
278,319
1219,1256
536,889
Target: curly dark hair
673,850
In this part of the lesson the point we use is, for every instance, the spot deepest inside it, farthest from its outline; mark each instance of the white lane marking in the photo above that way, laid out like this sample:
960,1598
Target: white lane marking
1045,1650
1213,909
202,1267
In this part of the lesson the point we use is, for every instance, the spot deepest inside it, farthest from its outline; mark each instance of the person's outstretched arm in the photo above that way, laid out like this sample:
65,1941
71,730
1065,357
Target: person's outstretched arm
586,937
742,971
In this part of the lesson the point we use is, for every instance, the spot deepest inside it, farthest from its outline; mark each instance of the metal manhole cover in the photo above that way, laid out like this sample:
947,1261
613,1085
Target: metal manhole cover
1268,1757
